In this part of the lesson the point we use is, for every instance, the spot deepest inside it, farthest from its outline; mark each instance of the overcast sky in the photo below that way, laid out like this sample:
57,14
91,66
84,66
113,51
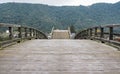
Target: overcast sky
62,2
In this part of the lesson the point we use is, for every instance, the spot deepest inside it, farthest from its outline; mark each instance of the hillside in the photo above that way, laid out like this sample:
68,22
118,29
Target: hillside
44,17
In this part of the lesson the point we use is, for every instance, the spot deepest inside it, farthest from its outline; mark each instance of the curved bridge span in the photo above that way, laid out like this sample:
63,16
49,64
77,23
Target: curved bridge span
33,53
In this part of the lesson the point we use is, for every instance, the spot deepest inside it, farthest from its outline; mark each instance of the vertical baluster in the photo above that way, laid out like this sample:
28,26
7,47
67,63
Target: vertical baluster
90,32
36,34
11,32
102,32
20,32
30,32
110,33
87,33
33,33
95,32
26,32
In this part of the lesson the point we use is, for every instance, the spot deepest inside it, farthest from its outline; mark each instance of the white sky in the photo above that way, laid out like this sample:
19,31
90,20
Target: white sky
62,2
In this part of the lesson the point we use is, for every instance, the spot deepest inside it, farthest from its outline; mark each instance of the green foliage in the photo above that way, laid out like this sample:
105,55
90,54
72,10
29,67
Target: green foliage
4,38
44,17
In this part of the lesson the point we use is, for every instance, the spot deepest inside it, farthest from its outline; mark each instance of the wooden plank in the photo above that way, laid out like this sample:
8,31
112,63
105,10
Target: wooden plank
9,42
60,57
9,25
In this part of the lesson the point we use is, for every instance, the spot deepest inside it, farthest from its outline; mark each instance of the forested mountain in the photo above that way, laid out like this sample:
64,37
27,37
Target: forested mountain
44,17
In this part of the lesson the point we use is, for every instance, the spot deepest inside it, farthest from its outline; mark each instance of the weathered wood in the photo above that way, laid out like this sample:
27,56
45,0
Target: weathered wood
102,32
87,32
37,34
20,32
9,25
95,33
7,43
30,30
90,32
113,25
10,32
61,34
60,57
110,33
26,33
34,33
104,36
21,37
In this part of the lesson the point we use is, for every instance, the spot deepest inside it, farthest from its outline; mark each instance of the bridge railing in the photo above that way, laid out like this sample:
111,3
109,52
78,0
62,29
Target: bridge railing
17,33
109,34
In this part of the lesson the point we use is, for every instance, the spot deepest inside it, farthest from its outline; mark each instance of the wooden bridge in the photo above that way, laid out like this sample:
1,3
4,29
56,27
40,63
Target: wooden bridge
84,55
60,34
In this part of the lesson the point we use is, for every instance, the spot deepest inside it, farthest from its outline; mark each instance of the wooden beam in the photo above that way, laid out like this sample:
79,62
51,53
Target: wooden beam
11,32
102,32
110,33
20,32
9,25
95,31
26,32
91,32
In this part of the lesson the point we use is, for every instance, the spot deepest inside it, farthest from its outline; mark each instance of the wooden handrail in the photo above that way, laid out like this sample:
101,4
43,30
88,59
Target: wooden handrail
91,33
29,33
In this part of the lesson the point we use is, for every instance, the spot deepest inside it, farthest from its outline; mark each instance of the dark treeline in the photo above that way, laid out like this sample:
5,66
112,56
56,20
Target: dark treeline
44,17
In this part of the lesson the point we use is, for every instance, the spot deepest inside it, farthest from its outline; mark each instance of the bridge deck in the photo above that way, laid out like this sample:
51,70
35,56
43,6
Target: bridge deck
59,57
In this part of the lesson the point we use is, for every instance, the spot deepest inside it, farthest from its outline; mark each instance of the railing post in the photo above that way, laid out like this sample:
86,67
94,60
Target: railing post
90,32
20,32
87,33
110,33
30,32
81,35
95,31
11,32
84,34
102,32
26,32
33,33
36,34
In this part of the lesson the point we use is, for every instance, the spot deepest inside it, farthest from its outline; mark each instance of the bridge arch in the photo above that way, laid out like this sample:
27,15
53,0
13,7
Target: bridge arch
106,34
32,32
17,33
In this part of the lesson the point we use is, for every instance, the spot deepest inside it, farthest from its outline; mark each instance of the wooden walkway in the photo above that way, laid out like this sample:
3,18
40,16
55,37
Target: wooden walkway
59,57
60,34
